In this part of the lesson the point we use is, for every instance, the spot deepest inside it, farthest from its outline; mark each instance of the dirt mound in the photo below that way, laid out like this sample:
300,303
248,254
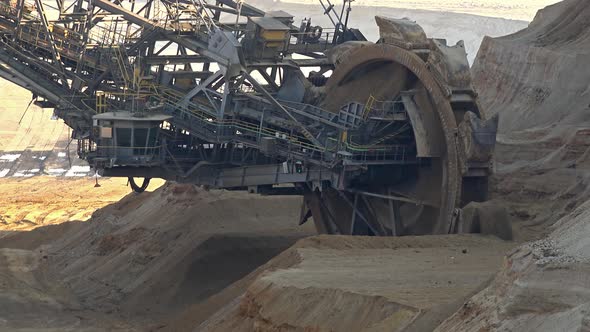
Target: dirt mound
360,283
146,257
560,26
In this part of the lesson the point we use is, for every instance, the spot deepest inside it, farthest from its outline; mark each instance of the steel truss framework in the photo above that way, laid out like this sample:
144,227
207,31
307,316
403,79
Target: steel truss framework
250,104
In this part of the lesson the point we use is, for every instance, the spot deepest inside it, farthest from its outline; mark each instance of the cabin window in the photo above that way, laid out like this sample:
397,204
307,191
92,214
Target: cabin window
152,137
140,136
124,137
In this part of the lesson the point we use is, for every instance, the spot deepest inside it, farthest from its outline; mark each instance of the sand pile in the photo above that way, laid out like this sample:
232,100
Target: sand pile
136,262
182,258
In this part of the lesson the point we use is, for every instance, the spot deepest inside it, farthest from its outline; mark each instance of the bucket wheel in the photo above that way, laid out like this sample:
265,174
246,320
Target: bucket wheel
410,102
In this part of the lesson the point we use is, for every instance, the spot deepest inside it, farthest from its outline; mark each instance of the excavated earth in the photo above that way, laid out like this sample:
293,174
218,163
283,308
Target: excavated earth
539,81
182,258
141,260
363,284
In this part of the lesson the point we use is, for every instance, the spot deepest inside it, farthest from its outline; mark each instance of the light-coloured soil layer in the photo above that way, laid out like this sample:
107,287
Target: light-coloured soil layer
538,77
364,284
27,203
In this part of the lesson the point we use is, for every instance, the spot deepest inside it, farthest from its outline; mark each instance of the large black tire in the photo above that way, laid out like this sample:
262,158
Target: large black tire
139,189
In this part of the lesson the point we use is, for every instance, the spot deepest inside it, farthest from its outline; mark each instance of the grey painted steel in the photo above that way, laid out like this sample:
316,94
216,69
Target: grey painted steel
258,121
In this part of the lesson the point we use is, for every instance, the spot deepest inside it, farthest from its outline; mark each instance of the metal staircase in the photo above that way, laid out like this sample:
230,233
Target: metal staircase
121,68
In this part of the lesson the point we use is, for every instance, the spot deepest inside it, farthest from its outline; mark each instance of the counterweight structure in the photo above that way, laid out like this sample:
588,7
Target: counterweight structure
382,138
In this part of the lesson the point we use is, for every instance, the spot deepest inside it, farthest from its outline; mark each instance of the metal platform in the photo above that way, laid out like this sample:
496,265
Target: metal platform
225,95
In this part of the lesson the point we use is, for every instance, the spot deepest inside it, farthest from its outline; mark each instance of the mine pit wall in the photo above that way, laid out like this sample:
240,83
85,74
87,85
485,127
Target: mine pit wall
538,80
531,86
539,76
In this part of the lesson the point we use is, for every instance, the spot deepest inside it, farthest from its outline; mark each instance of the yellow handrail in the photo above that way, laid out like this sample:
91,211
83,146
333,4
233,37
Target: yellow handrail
101,104
368,107
121,64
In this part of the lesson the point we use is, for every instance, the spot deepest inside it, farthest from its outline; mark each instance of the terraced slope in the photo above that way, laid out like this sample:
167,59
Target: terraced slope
539,76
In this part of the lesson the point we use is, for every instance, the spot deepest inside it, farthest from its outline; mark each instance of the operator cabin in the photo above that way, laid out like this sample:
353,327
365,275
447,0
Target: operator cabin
129,139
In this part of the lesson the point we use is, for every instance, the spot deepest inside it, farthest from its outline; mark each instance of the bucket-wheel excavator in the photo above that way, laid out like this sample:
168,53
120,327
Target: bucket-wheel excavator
380,138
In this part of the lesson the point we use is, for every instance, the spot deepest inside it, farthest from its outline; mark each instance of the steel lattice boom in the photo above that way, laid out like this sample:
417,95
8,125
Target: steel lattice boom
381,138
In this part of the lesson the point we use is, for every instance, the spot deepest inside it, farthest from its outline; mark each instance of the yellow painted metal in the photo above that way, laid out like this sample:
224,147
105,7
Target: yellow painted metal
122,68
101,105
368,106
273,35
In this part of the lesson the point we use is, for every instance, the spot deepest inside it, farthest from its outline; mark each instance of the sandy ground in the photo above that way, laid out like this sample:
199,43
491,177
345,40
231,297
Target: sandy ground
543,285
26,204
520,10
138,261
363,284
181,258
